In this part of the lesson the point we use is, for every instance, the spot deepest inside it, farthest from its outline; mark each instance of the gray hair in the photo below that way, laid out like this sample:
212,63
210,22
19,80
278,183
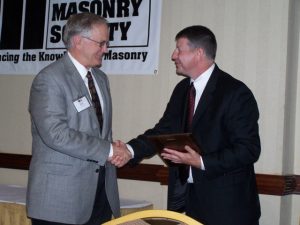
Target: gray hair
82,24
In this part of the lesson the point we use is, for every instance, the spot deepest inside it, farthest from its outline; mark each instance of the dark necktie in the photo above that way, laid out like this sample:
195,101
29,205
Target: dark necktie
95,99
190,107
191,94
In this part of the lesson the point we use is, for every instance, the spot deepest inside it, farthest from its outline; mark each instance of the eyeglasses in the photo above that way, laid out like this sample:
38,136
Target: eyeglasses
100,44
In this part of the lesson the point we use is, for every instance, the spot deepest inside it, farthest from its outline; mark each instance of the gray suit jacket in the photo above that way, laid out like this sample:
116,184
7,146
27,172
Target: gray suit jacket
67,146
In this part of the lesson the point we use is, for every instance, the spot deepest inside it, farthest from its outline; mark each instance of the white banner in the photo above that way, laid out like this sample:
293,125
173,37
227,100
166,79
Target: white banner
36,38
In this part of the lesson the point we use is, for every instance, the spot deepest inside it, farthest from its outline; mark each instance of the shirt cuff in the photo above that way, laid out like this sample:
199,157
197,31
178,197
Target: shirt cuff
202,167
111,151
130,150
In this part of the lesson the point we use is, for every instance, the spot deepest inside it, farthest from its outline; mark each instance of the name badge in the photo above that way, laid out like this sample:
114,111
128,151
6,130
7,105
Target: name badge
81,104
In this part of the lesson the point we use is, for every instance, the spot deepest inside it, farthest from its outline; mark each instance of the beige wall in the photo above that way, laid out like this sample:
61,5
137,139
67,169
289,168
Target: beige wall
258,42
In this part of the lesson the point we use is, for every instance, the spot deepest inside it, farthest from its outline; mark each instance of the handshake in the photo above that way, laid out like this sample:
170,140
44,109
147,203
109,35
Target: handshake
190,157
121,154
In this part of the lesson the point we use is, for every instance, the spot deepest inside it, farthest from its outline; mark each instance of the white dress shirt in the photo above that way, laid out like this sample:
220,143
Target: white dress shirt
200,84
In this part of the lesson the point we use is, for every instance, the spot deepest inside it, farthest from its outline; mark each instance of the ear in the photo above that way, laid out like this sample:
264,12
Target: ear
201,52
76,40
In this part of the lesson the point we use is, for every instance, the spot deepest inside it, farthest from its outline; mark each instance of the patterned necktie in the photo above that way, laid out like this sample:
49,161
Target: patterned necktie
184,169
95,99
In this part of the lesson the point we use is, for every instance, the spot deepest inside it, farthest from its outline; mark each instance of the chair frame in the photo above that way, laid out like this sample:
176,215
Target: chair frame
154,213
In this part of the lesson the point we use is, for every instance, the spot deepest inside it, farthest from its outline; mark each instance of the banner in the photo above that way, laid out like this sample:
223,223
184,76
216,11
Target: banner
31,34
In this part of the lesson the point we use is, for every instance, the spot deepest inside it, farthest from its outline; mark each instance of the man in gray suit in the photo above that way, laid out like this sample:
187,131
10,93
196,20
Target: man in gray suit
71,180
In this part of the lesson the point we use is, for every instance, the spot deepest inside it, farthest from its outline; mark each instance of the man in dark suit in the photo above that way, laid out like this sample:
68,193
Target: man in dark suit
221,186
71,180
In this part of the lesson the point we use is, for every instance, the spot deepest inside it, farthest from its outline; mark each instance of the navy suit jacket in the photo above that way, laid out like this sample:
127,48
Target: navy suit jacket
225,125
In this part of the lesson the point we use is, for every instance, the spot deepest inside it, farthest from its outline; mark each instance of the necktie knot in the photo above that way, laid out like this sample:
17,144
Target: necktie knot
192,89
89,75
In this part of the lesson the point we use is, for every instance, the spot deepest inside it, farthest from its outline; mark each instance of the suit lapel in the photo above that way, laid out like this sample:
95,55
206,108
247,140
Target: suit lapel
106,99
207,95
102,87
185,105
75,79
78,84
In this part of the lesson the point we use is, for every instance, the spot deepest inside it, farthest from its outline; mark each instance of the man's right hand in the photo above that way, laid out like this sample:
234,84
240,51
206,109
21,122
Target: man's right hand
121,154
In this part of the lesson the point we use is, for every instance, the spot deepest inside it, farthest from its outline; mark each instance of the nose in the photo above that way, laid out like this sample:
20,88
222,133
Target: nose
105,48
174,55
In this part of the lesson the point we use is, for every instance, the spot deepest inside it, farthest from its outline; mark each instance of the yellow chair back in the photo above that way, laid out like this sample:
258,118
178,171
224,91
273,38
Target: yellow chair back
137,218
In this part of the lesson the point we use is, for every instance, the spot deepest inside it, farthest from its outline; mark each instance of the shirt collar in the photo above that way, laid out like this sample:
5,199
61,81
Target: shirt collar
80,68
204,77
